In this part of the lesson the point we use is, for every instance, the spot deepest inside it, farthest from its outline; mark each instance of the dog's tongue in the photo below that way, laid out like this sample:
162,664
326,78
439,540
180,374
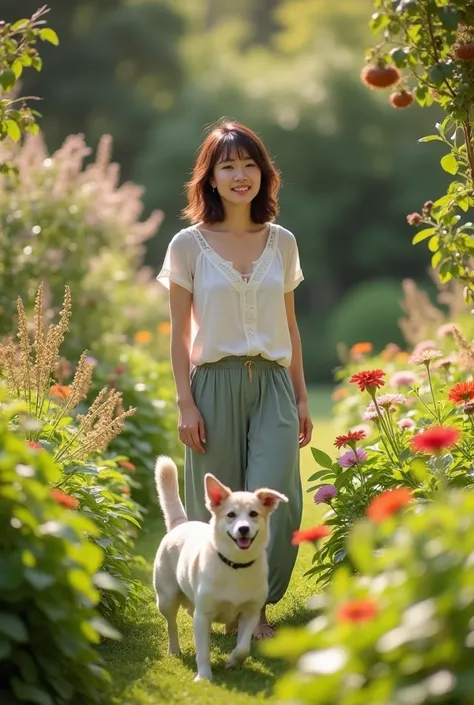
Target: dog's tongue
243,542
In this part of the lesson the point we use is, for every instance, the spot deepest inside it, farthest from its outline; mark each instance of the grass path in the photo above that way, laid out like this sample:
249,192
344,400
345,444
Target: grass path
142,671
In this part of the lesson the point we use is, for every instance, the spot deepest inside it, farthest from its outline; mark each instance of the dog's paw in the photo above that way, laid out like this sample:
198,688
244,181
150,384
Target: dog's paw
204,676
236,659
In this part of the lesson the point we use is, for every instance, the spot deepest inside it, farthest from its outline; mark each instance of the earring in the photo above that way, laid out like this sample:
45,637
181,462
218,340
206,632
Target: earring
214,189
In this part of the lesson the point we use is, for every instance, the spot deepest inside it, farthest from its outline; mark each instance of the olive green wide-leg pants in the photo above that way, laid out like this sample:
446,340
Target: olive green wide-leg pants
251,421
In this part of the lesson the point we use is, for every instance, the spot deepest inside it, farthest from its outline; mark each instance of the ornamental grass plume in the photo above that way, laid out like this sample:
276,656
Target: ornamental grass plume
29,371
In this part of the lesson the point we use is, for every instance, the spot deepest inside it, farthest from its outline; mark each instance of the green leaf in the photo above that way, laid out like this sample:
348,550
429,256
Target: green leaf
449,163
13,130
12,626
422,235
104,628
7,79
435,74
360,545
38,579
436,259
5,648
49,35
30,693
320,475
431,138
433,244
322,458
17,68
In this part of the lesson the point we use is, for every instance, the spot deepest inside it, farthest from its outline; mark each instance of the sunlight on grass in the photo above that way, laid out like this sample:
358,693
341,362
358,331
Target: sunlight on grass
141,669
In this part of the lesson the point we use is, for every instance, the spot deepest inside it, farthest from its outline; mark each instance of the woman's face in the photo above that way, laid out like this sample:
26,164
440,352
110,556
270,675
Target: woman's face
238,179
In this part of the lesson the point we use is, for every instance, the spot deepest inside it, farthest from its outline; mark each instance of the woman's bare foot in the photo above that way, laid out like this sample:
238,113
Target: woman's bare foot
263,630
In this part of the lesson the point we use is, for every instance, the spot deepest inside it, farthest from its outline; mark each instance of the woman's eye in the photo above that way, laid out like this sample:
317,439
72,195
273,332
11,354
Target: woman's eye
231,515
253,514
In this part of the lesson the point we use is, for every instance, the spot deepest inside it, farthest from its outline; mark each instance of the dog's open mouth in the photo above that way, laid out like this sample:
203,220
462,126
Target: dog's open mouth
243,542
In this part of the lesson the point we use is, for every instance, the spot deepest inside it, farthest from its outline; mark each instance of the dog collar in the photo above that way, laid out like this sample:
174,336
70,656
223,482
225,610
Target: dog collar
233,565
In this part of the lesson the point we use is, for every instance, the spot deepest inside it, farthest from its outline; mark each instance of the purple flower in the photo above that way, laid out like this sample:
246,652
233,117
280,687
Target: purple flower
351,458
325,494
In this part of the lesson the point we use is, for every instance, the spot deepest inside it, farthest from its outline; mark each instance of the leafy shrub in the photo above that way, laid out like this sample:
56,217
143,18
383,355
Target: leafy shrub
47,416
370,311
401,633
384,443
146,385
49,581
63,223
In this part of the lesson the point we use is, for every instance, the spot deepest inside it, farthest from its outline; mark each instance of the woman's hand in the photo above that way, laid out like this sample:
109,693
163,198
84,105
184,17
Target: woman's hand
191,427
306,425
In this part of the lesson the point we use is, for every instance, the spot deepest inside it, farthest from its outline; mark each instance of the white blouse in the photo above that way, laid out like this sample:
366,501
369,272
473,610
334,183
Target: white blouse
232,314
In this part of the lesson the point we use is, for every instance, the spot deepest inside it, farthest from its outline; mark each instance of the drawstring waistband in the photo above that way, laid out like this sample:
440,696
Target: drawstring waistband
248,364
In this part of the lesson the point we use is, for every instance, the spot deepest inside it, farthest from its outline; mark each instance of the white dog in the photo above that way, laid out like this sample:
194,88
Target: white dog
217,571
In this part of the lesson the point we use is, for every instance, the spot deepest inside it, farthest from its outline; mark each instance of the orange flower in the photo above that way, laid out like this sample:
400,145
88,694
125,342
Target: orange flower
357,610
387,503
125,490
390,351
435,439
34,445
143,336
361,349
65,499
164,328
127,465
402,356
340,393
461,393
60,391
368,380
314,534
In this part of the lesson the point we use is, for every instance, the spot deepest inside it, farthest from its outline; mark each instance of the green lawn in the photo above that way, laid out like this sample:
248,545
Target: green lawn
141,669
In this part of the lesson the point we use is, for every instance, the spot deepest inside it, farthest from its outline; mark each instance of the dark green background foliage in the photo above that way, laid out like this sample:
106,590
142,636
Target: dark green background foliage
154,73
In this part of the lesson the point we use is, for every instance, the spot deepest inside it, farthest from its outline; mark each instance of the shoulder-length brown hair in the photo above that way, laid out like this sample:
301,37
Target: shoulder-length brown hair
227,136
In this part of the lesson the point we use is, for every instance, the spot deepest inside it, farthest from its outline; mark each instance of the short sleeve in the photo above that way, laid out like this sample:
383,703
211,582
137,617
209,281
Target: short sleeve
178,265
293,273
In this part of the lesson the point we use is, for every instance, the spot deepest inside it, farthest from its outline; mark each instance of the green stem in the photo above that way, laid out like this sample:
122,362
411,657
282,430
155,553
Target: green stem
435,405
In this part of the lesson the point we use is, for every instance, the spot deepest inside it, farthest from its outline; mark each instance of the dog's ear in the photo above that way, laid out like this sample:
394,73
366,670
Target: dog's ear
270,498
216,492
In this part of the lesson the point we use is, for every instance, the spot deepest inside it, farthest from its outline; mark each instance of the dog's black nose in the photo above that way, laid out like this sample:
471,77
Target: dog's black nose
243,530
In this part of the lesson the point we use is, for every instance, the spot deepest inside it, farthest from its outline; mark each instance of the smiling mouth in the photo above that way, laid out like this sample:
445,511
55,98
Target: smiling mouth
243,542
241,189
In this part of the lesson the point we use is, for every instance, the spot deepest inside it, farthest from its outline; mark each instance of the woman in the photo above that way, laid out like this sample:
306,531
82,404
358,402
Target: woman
243,410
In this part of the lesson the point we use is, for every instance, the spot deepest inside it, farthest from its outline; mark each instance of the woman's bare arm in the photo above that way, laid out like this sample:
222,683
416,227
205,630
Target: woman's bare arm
191,425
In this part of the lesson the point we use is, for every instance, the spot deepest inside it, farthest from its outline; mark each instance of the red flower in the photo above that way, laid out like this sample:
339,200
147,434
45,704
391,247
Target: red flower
368,380
314,534
387,503
349,438
127,465
401,99
434,439
34,445
65,499
357,610
379,75
461,392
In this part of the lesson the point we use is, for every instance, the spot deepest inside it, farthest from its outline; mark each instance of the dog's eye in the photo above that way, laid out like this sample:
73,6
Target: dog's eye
253,514
231,515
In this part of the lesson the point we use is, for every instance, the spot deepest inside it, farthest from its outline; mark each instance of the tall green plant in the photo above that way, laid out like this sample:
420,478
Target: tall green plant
18,51
426,53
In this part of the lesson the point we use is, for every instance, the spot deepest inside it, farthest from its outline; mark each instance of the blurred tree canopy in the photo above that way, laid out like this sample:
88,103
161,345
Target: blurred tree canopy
153,73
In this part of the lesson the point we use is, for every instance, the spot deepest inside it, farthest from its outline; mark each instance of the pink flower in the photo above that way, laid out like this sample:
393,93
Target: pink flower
370,414
351,458
324,494
389,399
423,346
362,427
425,357
406,423
446,329
403,378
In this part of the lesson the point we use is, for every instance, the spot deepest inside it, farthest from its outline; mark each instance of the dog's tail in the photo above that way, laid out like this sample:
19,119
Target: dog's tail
166,479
